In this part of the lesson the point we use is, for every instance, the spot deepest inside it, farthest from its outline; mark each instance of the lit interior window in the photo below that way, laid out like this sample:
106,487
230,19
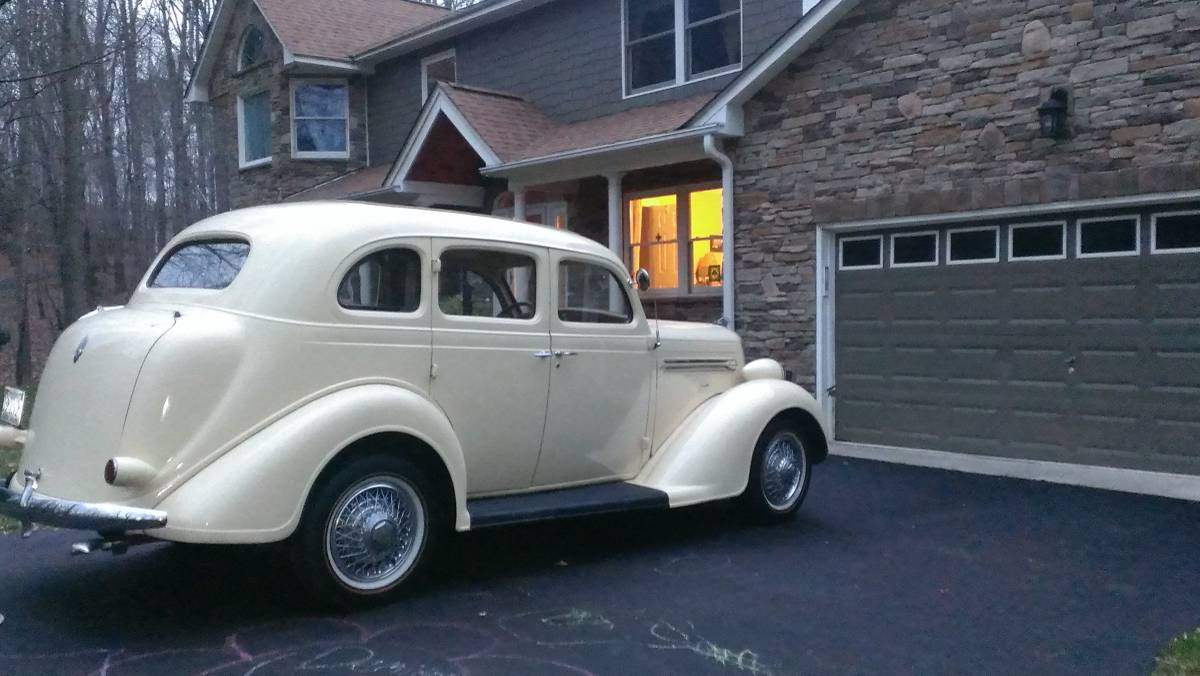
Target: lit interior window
660,223
707,246
653,228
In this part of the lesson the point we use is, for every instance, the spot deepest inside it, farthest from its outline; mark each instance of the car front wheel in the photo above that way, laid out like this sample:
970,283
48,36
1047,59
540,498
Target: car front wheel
367,532
779,473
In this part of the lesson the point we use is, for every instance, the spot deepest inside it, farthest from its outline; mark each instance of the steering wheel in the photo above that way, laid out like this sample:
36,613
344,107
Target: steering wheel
516,310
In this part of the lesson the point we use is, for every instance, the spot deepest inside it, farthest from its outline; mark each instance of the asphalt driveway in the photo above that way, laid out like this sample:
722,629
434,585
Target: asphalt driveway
889,569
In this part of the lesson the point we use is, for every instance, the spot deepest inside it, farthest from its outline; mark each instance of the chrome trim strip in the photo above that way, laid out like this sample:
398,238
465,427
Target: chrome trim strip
30,507
680,364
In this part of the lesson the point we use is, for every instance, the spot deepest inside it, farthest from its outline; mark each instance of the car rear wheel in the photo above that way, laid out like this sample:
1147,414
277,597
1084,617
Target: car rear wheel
779,473
368,530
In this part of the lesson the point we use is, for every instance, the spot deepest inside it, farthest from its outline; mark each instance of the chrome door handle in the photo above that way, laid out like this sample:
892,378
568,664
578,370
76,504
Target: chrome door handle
543,354
564,353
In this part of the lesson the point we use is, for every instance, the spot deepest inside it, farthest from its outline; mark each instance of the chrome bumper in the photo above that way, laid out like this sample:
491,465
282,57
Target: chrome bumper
29,507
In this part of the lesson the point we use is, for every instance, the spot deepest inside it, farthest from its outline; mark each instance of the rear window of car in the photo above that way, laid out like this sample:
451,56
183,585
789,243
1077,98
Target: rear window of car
205,264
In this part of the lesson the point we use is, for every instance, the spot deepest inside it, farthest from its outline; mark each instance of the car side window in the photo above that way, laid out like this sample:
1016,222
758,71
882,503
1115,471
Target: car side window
591,294
487,283
385,281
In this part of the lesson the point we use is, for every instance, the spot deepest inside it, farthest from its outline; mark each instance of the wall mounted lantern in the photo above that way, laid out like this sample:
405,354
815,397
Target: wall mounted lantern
1054,115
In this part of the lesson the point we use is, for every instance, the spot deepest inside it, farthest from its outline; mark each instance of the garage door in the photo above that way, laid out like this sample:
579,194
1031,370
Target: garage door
1071,339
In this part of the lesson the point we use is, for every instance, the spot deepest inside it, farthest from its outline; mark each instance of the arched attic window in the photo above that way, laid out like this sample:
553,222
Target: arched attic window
251,51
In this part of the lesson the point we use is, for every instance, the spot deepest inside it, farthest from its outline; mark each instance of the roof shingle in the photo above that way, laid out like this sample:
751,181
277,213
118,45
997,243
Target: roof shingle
339,30
517,130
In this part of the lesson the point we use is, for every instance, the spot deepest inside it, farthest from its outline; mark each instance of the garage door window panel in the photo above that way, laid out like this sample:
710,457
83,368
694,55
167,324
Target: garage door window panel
861,253
915,249
1177,232
1037,242
973,245
1102,237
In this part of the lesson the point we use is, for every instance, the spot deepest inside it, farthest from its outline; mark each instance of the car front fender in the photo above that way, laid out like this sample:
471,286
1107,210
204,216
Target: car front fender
256,492
708,456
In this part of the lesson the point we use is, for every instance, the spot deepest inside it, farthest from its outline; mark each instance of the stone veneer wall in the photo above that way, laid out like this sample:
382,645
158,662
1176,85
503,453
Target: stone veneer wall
913,107
285,175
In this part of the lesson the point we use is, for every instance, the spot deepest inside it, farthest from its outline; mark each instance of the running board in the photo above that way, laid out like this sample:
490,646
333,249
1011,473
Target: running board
606,498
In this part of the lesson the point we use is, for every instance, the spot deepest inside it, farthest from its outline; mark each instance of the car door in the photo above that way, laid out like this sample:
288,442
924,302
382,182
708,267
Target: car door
602,376
491,356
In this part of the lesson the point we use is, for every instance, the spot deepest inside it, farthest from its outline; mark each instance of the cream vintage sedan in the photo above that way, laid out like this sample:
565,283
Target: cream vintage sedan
357,380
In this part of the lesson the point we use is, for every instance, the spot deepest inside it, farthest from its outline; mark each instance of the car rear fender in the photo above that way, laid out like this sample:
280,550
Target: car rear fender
256,492
708,456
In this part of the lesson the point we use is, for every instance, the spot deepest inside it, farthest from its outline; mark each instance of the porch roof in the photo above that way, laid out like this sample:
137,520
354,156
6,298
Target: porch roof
506,129
354,184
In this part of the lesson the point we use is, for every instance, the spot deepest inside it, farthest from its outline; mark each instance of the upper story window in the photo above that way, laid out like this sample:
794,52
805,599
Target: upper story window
251,51
254,129
320,119
671,42
676,237
437,68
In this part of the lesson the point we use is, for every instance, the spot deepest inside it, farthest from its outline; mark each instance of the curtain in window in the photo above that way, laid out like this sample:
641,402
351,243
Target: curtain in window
654,227
320,118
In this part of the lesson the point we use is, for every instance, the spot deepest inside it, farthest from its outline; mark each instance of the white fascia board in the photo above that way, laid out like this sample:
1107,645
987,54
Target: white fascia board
197,89
646,142
321,64
438,104
823,16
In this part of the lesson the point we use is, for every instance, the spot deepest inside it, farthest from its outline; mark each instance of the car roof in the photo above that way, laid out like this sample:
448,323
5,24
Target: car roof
349,224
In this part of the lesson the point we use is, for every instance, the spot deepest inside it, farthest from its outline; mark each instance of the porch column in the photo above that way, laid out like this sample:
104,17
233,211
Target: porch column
615,219
518,192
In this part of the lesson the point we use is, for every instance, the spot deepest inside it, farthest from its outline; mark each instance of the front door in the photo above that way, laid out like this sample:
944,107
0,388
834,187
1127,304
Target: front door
491,356
601,380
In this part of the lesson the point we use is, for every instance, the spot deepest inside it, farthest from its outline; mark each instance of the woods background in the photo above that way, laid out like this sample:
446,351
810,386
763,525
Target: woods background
101,161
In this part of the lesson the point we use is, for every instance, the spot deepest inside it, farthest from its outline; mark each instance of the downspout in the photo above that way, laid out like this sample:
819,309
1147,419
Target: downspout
714,151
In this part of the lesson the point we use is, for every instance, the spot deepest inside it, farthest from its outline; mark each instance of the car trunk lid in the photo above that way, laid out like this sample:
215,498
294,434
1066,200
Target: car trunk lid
83,398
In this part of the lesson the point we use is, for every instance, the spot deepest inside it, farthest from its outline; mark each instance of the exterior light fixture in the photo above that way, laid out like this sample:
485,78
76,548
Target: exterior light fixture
1054,115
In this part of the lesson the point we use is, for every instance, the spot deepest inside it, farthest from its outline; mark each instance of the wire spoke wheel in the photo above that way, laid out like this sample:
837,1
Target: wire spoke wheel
375,533
784,467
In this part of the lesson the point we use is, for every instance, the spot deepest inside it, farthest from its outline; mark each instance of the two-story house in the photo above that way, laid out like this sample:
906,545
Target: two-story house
971,227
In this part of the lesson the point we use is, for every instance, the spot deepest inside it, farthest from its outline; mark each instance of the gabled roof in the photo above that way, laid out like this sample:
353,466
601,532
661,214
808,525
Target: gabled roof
316,32
506,129
341,29
507,124
453,24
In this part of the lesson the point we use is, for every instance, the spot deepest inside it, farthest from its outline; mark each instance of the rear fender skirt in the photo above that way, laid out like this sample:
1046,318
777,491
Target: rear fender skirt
708,456
256,492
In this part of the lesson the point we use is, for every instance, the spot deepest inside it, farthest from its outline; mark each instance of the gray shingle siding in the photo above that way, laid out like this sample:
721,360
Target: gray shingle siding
565,57
394,100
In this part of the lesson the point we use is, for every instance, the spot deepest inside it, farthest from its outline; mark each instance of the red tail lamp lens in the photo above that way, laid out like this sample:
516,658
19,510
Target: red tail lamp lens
110,472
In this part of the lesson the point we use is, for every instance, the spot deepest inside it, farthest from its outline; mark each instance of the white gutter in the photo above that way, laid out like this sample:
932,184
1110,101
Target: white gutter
644,141
453,24
727,275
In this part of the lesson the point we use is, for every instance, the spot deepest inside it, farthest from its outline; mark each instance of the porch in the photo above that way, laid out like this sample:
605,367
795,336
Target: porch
653,193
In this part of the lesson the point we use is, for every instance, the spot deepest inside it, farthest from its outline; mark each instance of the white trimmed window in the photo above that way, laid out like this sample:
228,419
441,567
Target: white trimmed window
320,119
676,237
254,129
442,67
250,53
672,42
